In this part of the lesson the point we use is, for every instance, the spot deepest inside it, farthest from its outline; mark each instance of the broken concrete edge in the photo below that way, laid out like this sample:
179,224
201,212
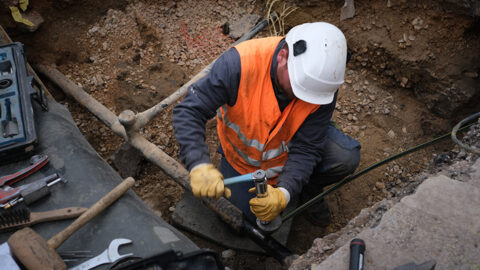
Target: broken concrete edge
439,222
370,218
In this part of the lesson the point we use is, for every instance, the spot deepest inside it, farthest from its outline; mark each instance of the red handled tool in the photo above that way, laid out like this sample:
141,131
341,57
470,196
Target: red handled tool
37,162
29,193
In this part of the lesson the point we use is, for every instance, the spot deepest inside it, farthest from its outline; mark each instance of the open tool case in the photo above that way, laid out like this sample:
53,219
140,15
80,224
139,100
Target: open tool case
17,127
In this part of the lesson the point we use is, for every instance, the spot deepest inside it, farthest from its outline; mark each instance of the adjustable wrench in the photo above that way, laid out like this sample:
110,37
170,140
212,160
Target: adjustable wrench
110,255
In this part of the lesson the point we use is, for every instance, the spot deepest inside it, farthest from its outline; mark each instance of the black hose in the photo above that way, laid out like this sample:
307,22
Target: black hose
457,141
353,176
271,246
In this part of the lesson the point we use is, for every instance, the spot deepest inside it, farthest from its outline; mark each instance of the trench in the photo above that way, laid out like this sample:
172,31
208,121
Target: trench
128,57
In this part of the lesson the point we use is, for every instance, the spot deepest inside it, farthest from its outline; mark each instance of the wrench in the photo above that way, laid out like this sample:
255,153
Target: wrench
110,255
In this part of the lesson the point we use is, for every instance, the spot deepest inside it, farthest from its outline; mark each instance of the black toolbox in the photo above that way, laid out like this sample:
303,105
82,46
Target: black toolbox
17,127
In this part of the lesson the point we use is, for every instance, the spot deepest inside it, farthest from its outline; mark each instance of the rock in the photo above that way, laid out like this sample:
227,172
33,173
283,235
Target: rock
379,185
348,10
391,134
93,30
404,82
33,17
471,74
240,27
327,248
227,254
127,160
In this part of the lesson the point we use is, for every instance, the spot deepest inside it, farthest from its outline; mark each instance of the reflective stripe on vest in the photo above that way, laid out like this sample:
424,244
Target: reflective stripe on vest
266,155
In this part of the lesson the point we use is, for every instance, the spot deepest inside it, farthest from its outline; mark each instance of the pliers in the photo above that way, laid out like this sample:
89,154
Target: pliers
37,162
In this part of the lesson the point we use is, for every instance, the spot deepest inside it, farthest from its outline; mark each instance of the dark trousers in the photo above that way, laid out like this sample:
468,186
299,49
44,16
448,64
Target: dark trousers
340,157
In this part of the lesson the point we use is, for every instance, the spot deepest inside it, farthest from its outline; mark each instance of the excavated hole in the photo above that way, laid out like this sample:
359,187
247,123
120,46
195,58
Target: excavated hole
132,54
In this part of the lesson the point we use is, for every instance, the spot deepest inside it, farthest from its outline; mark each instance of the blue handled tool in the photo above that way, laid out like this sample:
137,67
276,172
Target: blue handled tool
238,179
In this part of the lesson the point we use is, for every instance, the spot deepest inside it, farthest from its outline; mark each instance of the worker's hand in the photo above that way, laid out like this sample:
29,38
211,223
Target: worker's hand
270,206
206,181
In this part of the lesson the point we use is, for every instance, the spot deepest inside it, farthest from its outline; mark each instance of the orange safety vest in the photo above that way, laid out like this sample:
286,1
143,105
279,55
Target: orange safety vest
254,133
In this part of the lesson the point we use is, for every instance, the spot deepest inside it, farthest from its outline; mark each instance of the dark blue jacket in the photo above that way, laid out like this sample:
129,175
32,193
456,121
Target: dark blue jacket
220,87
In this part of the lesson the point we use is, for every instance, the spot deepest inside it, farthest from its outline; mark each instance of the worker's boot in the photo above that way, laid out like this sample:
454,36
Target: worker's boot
318,213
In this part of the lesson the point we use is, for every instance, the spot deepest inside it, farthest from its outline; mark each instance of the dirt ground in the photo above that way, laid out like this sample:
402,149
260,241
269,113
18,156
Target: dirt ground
132,54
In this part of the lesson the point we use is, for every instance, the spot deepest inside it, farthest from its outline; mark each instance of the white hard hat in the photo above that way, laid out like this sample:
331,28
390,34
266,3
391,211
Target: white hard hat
316,61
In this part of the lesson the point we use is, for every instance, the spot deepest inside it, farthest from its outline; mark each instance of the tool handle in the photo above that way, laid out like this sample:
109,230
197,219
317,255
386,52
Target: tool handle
7,194
59,214
38,162
238,179
92,212
357,250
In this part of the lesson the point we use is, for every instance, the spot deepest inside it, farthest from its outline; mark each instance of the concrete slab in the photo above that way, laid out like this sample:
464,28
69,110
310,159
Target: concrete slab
440,222
475,180
191,215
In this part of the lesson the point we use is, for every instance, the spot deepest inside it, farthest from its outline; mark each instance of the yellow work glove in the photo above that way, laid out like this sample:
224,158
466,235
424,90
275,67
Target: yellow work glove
206,181
269,207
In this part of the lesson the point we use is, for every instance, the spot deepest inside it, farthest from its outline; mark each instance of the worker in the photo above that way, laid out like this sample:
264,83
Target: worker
273,98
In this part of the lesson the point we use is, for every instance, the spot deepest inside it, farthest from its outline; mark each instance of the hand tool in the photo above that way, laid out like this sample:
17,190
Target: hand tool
29,192
109,255
238,179
36,253
174,259
75,255
357,250
10,126
260,180
37,162
19,218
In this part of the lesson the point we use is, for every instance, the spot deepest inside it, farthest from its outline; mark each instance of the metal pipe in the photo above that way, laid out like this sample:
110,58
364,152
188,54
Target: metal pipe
227,211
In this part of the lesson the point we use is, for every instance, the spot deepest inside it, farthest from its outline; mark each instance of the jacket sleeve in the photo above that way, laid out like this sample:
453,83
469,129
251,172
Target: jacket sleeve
305,149
202,100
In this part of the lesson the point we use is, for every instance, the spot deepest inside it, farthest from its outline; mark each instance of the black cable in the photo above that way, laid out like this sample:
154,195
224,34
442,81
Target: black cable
353,176
454,134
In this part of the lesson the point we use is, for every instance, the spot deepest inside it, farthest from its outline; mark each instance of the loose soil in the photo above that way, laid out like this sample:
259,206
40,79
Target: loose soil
132,54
